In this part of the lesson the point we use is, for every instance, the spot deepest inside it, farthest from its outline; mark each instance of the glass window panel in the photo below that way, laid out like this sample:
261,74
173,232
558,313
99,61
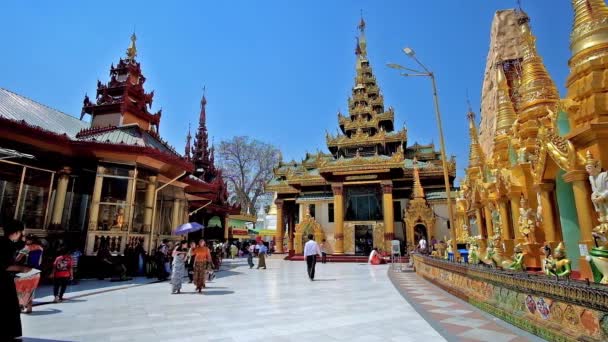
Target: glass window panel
10,178
139,206
111,216
34,198
114,190
330,212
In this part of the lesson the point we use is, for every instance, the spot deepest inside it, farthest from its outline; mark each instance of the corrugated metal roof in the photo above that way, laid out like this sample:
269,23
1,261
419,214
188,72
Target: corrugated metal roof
128,135
16,107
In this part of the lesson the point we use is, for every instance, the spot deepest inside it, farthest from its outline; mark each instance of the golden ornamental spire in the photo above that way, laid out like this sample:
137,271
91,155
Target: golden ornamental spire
418,191
476,156
505,111
590,27
536,86
132,49
504,120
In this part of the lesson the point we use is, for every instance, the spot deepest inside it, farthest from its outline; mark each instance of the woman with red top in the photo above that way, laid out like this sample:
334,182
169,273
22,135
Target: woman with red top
62,274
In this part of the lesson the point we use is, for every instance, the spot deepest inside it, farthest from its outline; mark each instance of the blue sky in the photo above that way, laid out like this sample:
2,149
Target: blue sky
274,70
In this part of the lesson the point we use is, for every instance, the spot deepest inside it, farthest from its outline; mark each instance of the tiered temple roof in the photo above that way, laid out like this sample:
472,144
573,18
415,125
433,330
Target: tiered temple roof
123,100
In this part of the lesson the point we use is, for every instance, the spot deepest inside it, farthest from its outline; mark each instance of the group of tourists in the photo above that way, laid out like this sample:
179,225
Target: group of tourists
192,260
20,263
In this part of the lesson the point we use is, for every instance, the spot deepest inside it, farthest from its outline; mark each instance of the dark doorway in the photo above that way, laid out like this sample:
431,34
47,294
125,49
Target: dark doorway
364,240
420,232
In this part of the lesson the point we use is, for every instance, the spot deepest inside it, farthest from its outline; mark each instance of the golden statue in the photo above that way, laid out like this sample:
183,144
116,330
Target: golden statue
528,221
599,196
518,263
557,265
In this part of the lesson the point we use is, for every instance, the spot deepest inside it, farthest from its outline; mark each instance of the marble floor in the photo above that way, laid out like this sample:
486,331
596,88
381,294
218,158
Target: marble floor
346,302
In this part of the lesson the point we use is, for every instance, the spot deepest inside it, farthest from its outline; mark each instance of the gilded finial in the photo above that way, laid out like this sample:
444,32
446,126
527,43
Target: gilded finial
476,156
132,49
361,25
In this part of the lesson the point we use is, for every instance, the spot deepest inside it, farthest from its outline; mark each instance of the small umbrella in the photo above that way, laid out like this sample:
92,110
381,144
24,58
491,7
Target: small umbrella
188,228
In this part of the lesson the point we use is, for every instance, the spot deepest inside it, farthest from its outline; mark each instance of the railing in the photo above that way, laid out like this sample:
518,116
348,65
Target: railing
577,292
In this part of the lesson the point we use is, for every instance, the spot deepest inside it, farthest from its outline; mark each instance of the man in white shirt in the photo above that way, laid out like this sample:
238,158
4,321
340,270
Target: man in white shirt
311,250
422,245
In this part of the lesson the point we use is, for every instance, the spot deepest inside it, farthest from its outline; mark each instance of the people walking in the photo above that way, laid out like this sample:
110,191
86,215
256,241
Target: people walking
162,257
311,250
262,250
30,256
233,251
250,251
178,272
190,261
202,261
62,274
10,313
324,250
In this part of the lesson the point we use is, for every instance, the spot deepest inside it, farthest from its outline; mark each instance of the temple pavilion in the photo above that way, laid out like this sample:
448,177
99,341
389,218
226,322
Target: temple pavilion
357,194
108,182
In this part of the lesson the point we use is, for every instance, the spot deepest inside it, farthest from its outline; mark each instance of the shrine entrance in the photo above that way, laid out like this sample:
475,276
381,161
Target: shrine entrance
419,233
364,239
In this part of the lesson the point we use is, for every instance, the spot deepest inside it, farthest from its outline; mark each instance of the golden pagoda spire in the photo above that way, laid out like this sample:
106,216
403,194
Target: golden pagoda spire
536,89
505,111
590,27
418,191
132,49
476,157
504,119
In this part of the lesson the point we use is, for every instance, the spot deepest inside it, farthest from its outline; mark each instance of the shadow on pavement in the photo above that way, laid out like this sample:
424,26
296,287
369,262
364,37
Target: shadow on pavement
44,313
92,284
325,279
217,293
32,339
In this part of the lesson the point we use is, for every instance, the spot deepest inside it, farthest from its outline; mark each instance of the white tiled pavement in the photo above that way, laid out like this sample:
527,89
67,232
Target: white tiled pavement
347,302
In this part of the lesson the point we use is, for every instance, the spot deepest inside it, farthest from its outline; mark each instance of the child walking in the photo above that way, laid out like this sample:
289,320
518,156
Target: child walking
62,274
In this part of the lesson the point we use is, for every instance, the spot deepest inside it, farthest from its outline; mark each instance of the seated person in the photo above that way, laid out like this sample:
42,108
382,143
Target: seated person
375,258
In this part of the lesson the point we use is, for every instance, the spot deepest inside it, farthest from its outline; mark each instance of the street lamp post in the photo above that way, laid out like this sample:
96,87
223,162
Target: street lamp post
426,72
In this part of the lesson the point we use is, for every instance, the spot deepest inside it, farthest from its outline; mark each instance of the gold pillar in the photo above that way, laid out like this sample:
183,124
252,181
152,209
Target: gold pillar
60,192
96,198
149,203
131,184
301,211
175,214
280,227
290,232
507,237
585,213
489,227
389,215
514,199
550,227
337,189
483,243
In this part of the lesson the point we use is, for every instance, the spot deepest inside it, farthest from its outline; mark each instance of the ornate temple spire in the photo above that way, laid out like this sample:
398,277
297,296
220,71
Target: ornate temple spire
476,157
202,155
188,146
536,89
504,120
418,191
590,27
